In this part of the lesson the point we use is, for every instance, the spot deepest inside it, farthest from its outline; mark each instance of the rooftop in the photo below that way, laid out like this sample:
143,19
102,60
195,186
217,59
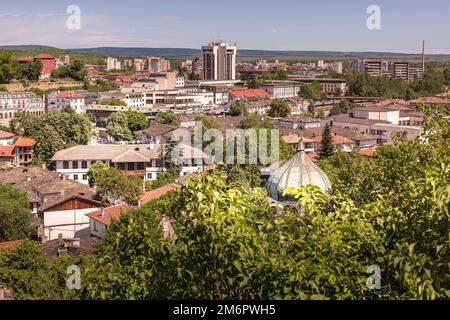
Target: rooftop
25,142
247,93
107,215
6,135
158,193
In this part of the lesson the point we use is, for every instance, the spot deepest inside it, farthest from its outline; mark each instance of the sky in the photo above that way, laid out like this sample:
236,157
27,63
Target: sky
317,25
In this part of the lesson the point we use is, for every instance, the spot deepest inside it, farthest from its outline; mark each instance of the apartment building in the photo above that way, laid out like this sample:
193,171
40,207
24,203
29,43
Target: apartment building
144,161
282,89
113,64
77,100
329,85
13,102
219,61
158,64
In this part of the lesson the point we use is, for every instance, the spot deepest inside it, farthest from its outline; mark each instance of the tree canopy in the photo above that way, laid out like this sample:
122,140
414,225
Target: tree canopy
15,214
279,109
167,117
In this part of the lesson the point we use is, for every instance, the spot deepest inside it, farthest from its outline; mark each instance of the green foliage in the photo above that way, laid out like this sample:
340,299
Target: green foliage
99,86
8,66
279,109
32,277
343,107
117,127
433,82
15,214
48,142
96,171
54,131
136,120
73,71
30,70
112,185
312,91
167,117
326,145
276,74
114,102
238,109
208,122
164,178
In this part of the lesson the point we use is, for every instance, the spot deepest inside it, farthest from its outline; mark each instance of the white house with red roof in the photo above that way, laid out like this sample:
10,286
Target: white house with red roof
339,142
19,153
6,138
100,220
61,99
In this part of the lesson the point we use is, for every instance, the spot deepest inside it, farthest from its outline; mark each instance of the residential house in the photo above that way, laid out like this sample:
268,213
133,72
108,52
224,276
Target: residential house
6,138
101,220
144,161
339,143
18,154
298,122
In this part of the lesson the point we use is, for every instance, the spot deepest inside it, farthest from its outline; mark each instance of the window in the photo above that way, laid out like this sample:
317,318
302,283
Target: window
140,166
95,226
74,164
75,177
85,177
150,176
65,164
83,164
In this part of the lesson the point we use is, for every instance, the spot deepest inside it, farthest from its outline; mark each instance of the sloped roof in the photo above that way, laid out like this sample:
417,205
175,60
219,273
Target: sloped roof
247,93
107,215
25,142
336,140
6,135
6,151
158,193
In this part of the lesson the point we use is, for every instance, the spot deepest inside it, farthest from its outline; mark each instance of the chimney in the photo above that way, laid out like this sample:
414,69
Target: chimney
152,146
103,212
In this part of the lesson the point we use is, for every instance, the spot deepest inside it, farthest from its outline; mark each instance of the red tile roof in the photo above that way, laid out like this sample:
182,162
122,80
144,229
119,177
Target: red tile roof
6,135
25,59
6,151
336,140
9,244
247,93
158,193
106,215
44,56
368,152
25,142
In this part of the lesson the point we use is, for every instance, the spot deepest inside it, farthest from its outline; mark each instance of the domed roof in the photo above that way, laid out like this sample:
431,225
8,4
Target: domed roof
299,171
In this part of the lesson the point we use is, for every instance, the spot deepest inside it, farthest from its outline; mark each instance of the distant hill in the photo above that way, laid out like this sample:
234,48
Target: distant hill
29,47
183,52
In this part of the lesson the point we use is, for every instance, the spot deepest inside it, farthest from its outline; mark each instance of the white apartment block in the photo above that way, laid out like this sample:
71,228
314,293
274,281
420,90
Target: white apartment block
62,99
113,64
282,89
13,102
